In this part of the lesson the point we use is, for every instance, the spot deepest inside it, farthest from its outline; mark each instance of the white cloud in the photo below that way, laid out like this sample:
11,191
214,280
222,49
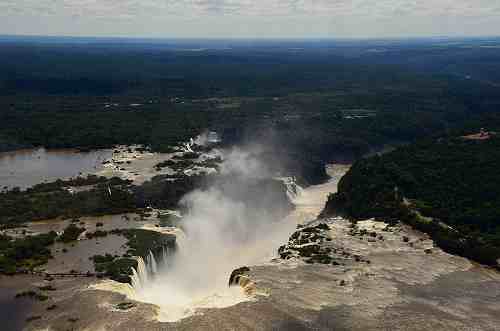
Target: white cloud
251,18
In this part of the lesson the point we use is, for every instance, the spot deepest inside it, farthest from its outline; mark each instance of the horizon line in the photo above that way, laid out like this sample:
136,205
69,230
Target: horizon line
157,38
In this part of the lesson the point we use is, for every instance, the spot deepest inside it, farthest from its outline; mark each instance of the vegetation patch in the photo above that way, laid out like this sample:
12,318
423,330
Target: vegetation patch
169,220
25,254
125,305
448,188
71,233
32,295
178,165
96,234
52,200
186,156
141,242
309,243
113,267
47,288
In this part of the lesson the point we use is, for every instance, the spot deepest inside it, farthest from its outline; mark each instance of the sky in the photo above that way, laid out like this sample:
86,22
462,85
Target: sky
251,18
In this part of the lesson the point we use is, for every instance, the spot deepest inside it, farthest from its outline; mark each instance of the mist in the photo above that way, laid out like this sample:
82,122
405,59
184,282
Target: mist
237,220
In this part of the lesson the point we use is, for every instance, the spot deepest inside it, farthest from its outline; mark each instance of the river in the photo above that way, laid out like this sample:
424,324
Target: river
197,276
29,167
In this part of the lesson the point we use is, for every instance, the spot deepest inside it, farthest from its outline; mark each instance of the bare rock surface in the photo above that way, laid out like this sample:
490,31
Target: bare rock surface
377,278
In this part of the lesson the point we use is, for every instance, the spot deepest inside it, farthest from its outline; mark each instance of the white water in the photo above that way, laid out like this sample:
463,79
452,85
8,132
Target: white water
187,147
148,270
310,202
219,239
189,280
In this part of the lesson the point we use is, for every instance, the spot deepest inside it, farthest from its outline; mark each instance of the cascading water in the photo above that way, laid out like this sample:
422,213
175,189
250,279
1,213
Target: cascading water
139,276
222,233
153,268
293,190
147,270
187,147
219,239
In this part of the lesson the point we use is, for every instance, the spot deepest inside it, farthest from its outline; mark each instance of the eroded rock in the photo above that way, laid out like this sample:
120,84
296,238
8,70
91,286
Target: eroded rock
309,242
234,279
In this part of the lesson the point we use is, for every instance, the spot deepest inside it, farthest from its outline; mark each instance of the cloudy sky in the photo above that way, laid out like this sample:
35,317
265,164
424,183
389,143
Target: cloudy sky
251,18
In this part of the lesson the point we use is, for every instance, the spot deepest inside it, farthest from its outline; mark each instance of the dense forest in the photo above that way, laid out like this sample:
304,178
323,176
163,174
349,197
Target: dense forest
448,187
306,103
309,102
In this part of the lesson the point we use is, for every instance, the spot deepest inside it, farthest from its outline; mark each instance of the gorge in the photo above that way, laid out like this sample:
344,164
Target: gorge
225,226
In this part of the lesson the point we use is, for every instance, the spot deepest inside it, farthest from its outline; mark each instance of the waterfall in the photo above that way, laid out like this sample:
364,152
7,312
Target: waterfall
180,239
165,256
187,146
223,231
136,279
140,275
151,263
293,190
147,270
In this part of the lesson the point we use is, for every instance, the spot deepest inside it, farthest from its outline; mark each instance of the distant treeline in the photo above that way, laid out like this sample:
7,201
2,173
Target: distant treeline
271,68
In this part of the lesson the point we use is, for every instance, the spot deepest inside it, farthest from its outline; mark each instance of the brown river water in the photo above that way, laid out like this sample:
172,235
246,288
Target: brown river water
402,288
26,168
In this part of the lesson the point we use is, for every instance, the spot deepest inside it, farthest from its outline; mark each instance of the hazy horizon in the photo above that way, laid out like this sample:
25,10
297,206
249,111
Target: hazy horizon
235,19
243,38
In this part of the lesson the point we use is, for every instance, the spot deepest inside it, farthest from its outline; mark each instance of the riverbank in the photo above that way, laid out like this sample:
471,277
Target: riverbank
372,280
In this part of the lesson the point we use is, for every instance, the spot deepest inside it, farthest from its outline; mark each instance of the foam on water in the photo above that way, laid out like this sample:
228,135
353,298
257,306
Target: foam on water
216,243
